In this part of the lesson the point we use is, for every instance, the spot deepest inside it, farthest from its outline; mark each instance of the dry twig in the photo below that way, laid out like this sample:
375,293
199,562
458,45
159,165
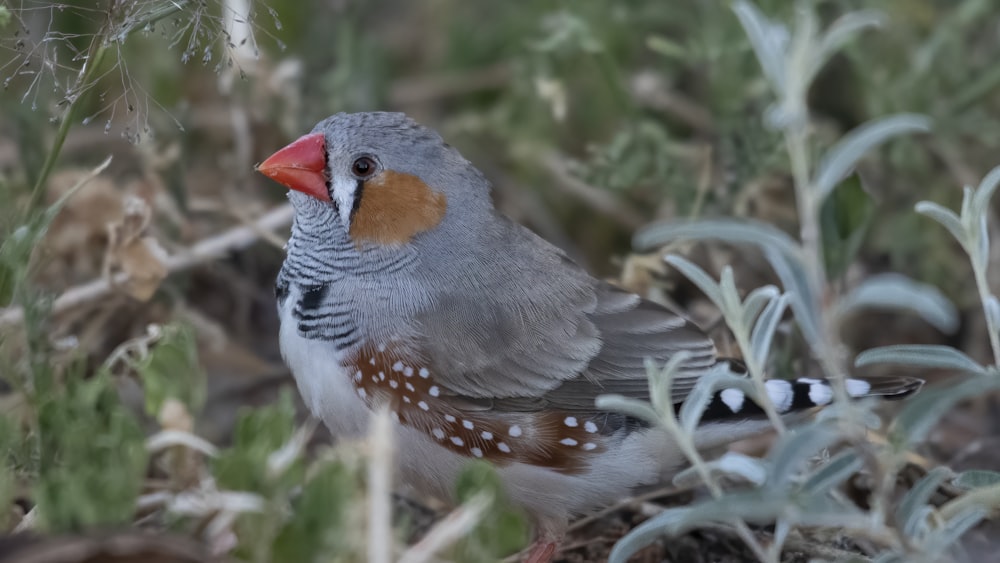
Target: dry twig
203,251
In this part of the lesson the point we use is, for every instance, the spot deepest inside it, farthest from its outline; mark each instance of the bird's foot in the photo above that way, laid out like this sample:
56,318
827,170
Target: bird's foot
542,551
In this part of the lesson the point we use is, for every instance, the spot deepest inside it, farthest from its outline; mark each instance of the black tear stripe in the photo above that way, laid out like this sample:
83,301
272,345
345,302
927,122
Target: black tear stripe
356,204
312,298
280,290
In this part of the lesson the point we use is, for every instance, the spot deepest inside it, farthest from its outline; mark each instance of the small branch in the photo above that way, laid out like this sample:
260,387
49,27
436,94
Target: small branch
449,530
651,91
601,200
203,251
380,462
435,88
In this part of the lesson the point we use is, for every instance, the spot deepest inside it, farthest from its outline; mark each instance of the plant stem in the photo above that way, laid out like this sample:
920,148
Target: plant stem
979,271
687,447
86,76
796,143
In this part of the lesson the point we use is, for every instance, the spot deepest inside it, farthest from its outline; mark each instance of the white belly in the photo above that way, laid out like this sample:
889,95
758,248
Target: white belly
317,367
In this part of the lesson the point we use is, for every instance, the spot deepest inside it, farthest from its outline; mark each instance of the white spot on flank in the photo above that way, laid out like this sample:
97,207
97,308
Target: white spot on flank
362,393
780,392
408,371
423,405
381,375
487,435
568,442
476,452
424,373
374,379
570,421
406,399
381,347
409,386
514,431
449,418
393,383
357,376
503,447
438,433
733,398
398,366
857,387
434,391
457,441
371,361
589,446
590,427
820,393
468,424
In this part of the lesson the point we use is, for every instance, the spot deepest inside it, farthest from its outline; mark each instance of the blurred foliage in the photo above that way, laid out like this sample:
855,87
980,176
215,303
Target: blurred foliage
503,531
92,457
171,371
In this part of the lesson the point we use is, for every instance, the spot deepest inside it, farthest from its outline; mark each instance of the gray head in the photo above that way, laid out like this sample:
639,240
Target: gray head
382,179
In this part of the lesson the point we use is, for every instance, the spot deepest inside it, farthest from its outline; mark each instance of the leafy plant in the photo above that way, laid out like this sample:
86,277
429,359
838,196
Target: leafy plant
787,489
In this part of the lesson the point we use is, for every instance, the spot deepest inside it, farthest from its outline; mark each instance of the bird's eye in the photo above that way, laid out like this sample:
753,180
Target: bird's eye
363,167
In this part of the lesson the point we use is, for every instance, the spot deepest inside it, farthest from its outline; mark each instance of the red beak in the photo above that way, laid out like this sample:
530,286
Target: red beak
300,166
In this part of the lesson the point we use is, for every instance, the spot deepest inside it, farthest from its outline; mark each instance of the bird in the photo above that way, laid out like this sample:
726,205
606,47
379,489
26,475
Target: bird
404,289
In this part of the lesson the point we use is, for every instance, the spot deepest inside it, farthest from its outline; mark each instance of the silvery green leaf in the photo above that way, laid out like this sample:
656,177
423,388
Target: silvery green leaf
757,299
890,557
718,377
763,235
794,448
697,276
965,212
920,355
992,308
732,307
922,412
731,464
844,28
955,528
769,41
946,217
661,381
983,242
976,478
632,407
793,276
983,194
849,413
908,513
781,251
895,291
648,532
763,329
833,472
752,506
842,157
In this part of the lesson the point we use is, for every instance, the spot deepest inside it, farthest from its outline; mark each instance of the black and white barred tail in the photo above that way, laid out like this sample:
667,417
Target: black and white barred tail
804,393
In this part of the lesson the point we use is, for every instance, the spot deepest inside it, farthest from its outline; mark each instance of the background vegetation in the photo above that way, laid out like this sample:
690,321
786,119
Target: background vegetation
145,410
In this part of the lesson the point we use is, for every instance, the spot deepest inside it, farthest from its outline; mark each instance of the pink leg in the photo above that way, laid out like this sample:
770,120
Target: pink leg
542,551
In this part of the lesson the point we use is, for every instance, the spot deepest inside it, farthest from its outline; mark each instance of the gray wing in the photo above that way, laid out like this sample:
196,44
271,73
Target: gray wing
631,330
526,331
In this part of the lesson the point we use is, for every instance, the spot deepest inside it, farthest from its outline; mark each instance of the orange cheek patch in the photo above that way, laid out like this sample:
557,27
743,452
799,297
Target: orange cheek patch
394,208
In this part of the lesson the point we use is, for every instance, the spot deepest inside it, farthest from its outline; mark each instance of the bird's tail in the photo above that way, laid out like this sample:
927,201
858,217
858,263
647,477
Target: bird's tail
789,396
